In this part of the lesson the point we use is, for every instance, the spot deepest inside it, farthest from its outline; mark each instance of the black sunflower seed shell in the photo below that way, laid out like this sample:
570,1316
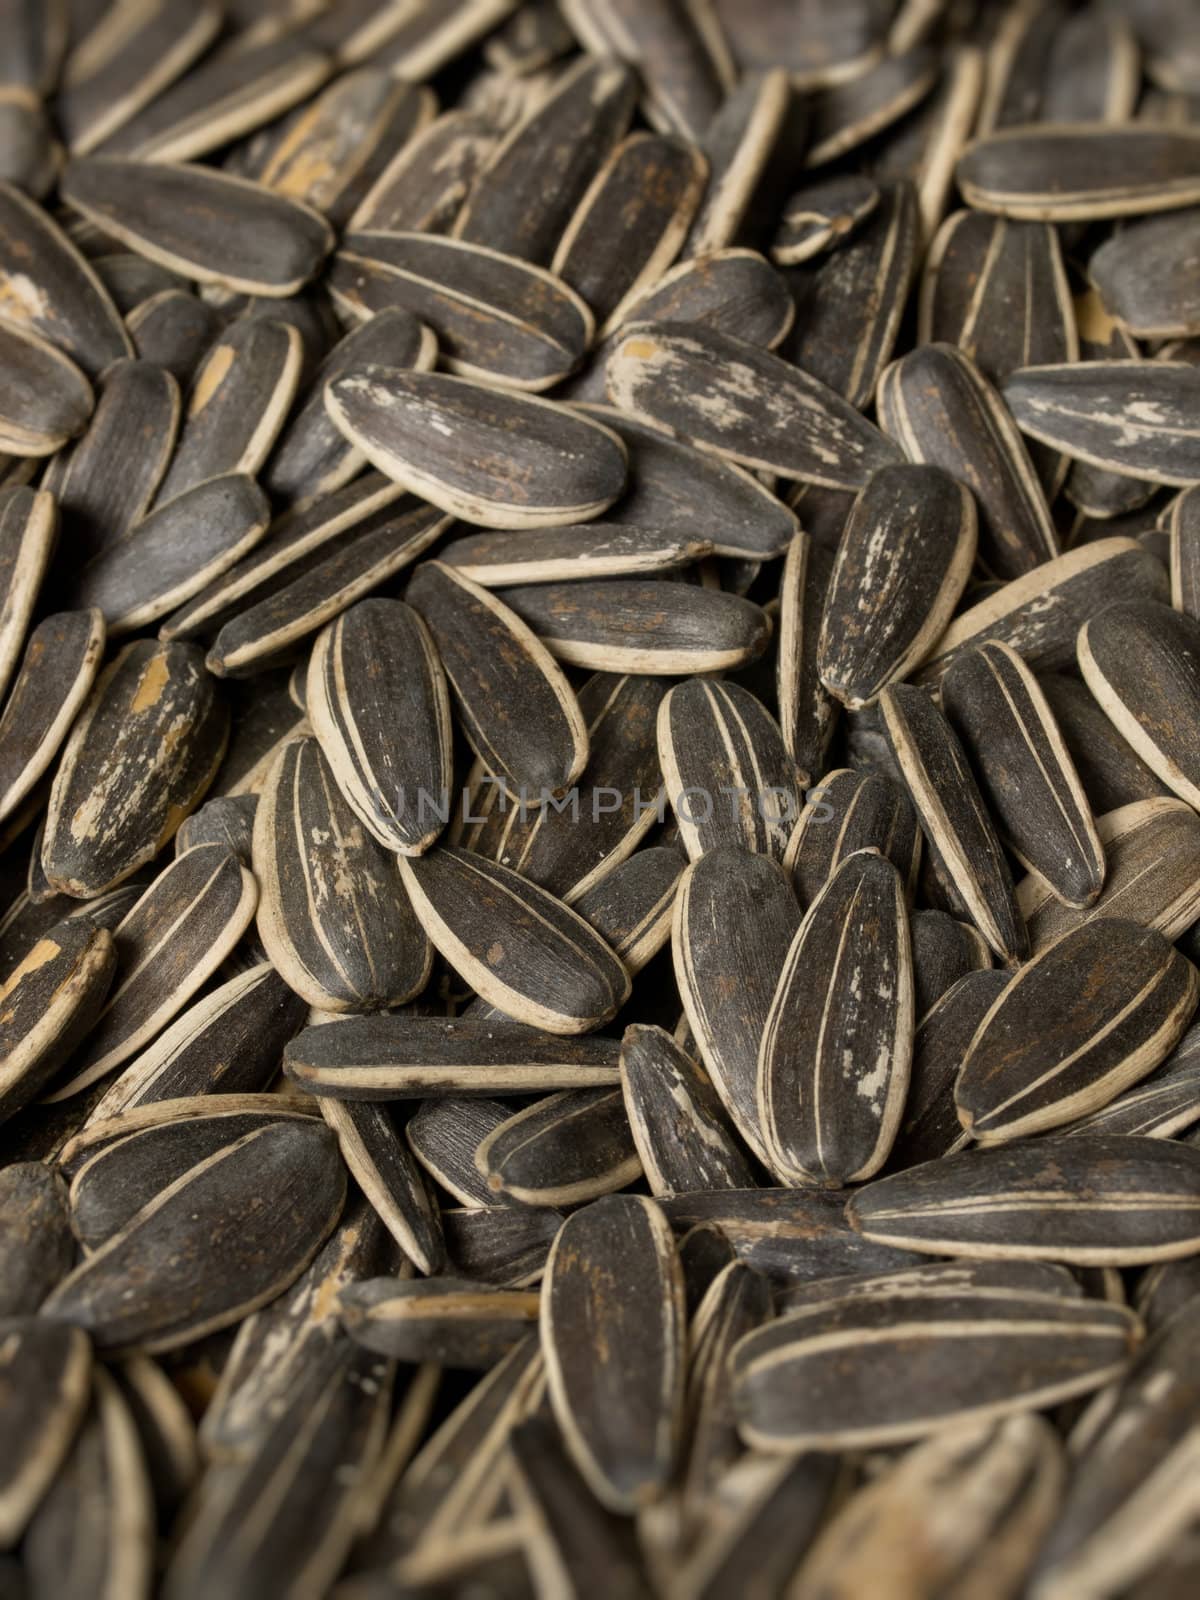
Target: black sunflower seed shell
846,114
1086,1201
821,215
746,145
621,1420
1143,276
409,1058
382,1165
941,409
1081,173
48,1376
564,1150
123,785
28,533
37,1247
579,551
334,917
56,674
807,711
1163,1105
32,157
953,815
1025,771
505,1246
678,1123
746,404
47,399
453,1322
172,330
49,1003
944,950
846,812
884,612
1184,531
202,223
445,1134
211,1213
632,907
425,183
227,820
519,713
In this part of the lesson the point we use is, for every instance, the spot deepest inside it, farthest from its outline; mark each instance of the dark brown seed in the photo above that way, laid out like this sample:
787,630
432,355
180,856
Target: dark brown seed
409,1058
944,950
834,1060
334,917
632,906
49,1003
846,114
445,1134
884,612
28,532
1112,774
141,755
504,1245
382,1165
1082,173
37,1247
225,820
47,399
1025,771
447,1320
172,330
379,706
735,916
613,1335
938,405
1142,663
729,779
46,1375
643,625
169,944
519,713
214,1213
57,671
847,812
30,157
561,1151
807,711
744,403
1185,553
497,458
1163,1105
202,223
953,815
49,288
679,1125
821,215
579,551
746,148
1088,1201
427,180
1145,276
852,1372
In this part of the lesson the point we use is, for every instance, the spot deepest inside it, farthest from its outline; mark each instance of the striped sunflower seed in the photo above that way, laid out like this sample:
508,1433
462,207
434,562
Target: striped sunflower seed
848,113
1185,553
505,1246
1087,1201
139,758
1081,173
578,551
1165,1103
210,1213
834,1060
380,1162
37,1247
1085,1019
432,433
49,1004
565,1150
944,950
28,533
848,812
621,1419
1142,274
47,399
410,1058
228,821
57,671
757,118
31,156
820,216
679,1126
631,908
455,1323
47,1377
334,917
1025,771
444,1135
807,711
746,404
424,185
172,330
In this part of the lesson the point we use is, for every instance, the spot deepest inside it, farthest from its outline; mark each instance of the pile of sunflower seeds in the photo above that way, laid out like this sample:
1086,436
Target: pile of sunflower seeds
599,799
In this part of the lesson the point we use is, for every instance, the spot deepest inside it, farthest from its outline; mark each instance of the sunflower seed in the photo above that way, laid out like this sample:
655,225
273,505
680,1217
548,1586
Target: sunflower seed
990,1354
424,185
632,906
47,399
143,751
1135,418
1185,553
212,1207
621,1420
758,119
1080,174
517,709
50,1002
1089,1201
334,917
172,330
452,1322
849,812
561,1151
677,1121
431,432
30,157
744,403
581,551
37,1247
384,1169
953,815
400,1057
225,820
47,1374
821,215
1025,772
445,1134
944,412
807,711
1164,1104
848,113
55,677
943,950
1144,276
202,223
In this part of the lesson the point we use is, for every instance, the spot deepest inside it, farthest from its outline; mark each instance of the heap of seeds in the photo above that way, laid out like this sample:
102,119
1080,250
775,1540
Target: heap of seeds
599,799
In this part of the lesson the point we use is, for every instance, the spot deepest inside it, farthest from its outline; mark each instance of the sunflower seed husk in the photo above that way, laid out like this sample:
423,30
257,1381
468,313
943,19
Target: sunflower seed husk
944,950
210,1213
1141,662
444,1135
47,399
1162,1105
56,674
172,330
938,405
433,432
409,1058
820,216
382,1165
621,1420
202,223
991,1353
1146,276
848,812
807,711
1025,771
744,403
1085,1200
446,1320
678,1124
846,114
50,1002
579,551
47,1374
519,713
1184,531
30,156
953,815
37,1247
758,119
1081,173
632,907
424,185
227,820
565,1150
334,917
141,755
